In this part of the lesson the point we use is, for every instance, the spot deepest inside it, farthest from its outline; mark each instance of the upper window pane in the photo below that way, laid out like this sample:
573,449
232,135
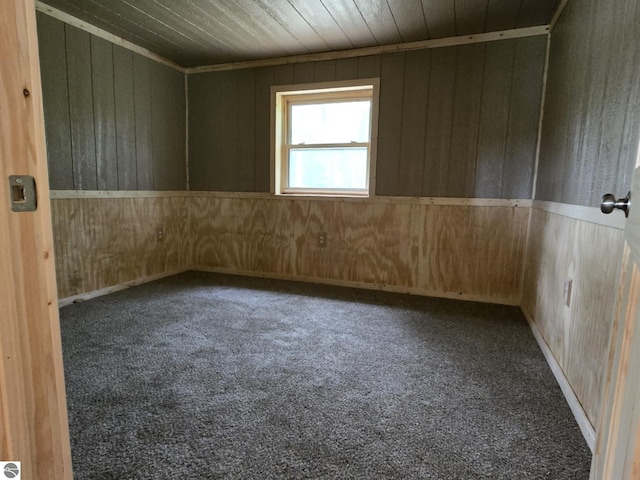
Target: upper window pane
332,122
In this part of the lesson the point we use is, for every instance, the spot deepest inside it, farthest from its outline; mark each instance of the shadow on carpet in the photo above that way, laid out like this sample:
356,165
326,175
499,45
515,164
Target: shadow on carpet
215,376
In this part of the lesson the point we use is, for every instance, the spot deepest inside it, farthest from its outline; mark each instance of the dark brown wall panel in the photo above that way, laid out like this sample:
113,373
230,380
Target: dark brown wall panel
466,120
203,172
442,78
264,80
414,118
104,113
346,68
125,118
142,121
303,72
81,114
390,123
245,172
168,128
524,118
324,71
52,44
591,121
456,121
114,120
491,155
369,66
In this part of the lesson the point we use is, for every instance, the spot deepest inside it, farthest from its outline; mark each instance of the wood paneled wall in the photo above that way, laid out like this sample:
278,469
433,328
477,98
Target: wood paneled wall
591,123
103,242
561,247
451,250
114,119
455,121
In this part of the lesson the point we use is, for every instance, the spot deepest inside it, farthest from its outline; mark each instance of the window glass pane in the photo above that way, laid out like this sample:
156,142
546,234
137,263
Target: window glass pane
335,122
328,168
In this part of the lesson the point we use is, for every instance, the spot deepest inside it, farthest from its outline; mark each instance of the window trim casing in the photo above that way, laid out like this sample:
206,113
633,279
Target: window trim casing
279,93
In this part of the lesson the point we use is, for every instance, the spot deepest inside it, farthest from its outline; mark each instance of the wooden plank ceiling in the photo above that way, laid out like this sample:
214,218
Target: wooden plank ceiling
207,32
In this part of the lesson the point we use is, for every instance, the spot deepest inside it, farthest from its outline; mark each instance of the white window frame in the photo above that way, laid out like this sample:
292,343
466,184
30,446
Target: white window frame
282,96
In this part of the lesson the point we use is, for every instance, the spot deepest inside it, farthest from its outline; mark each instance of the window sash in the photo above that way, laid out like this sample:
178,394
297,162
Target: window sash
287,146
340,170
322,190
294,102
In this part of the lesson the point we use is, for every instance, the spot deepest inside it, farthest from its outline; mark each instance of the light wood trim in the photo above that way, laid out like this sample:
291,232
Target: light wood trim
363,285
471,202
61,194
543,97
574,404
63,302
556,16
33,413
474,202
361,52
98,32
615,220
619,434
186,129
618,444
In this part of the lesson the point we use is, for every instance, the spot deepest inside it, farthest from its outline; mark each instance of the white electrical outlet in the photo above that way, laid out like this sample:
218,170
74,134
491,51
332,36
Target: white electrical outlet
322,239
568,287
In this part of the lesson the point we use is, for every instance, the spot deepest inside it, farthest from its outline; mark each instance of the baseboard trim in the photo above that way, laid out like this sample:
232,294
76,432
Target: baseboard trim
63,302
576,408
362,285
296,278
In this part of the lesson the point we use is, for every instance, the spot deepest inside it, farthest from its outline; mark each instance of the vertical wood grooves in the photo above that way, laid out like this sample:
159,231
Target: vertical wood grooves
432,120
577,335
109,135
592,112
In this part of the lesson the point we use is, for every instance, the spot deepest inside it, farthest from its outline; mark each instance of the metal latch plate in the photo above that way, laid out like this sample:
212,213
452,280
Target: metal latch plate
23,193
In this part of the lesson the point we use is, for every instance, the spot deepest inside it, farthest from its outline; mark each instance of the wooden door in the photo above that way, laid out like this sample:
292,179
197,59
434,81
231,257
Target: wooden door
33,416
617,453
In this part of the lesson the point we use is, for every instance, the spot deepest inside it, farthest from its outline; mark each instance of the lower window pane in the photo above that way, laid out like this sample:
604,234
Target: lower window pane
328,168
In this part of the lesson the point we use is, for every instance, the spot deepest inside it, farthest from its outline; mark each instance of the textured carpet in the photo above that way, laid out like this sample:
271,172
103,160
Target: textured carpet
211,376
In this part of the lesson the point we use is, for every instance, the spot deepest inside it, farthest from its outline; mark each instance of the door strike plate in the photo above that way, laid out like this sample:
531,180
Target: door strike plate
23,193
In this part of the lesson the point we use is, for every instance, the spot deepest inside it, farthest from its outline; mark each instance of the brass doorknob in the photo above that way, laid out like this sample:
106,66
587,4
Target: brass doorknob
609,203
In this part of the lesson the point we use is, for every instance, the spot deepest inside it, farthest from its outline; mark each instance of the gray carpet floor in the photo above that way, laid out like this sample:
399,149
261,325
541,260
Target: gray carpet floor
201,376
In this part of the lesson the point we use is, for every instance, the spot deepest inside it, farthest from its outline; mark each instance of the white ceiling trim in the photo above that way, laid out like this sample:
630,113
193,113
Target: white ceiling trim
361,52
556,15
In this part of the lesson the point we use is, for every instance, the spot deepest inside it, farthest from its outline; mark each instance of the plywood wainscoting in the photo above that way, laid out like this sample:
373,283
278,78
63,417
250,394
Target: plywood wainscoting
575,338
107,240
458,248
